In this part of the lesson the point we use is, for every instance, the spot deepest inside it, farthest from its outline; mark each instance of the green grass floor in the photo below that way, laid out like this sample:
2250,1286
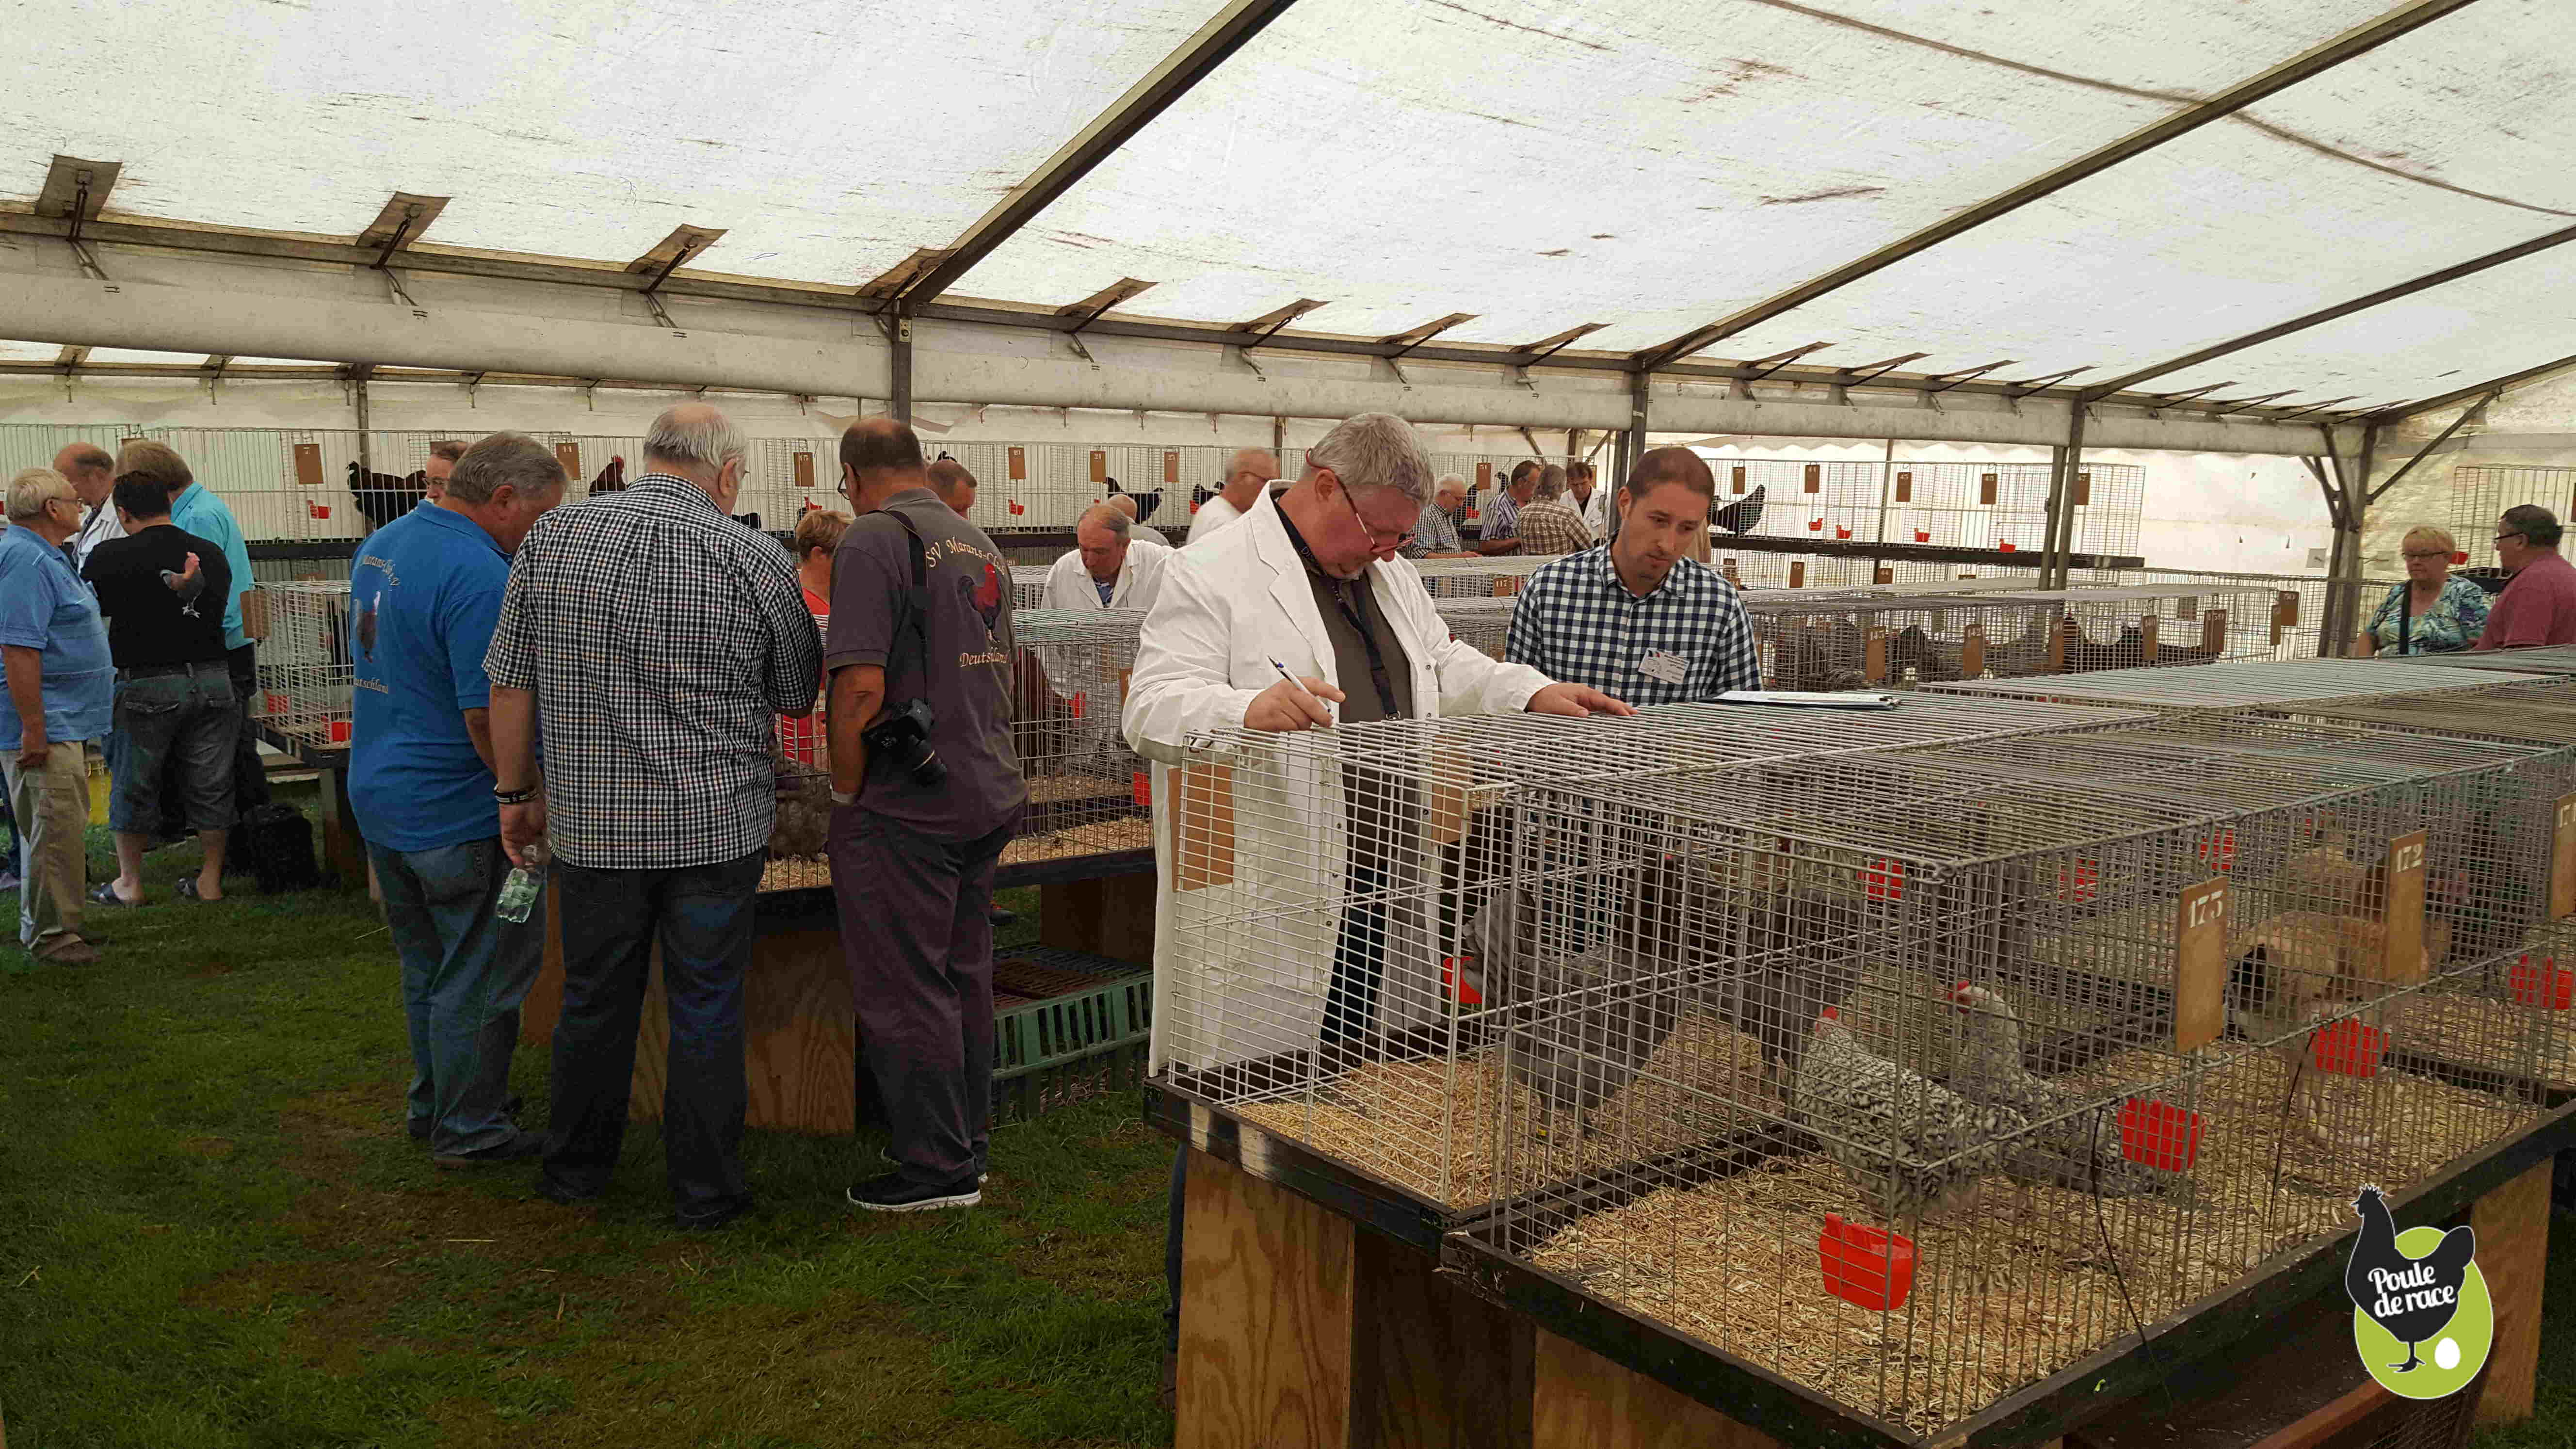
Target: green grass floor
213,1232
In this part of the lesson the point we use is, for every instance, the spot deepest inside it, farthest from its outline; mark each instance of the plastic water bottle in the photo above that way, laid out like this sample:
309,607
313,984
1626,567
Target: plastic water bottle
519,893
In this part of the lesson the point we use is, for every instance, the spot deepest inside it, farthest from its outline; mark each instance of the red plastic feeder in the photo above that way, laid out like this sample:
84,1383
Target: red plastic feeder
2159,1134
1016,508
1815,525
2549,986
1864,1266
2082,883
1884,879
1922,535
2219,851
318,510
2348,1049
276,702
2461,557
1841,532
1143,789
1077,703
1466,995
339,732
2006,546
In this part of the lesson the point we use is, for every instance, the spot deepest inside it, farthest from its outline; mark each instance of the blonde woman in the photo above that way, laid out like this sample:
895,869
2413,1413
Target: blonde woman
2430,613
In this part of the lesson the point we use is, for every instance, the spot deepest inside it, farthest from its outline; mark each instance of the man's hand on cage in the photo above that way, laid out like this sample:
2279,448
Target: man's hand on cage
1577,700
1292,706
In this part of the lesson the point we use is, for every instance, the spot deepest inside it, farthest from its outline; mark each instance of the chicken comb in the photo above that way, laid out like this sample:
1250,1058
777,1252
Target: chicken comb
1831,1013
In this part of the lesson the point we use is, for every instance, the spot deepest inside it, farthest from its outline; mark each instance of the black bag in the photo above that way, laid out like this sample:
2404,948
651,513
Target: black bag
277,843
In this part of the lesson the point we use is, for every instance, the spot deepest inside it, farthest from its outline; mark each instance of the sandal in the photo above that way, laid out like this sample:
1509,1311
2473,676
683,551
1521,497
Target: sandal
188,889
104,894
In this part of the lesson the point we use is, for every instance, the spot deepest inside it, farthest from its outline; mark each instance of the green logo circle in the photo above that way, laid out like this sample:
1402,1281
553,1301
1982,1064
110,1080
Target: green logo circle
2445,1363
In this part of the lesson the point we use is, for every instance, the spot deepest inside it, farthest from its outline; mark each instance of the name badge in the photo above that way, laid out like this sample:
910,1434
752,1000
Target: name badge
1658,664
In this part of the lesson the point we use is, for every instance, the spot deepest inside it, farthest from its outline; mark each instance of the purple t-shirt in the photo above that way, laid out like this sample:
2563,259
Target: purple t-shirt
2537,607
970,642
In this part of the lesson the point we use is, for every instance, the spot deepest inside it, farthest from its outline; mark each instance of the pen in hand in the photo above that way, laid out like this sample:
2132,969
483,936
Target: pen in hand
1300,686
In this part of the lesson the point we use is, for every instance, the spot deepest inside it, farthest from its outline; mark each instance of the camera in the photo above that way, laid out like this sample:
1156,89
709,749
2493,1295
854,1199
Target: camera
901,738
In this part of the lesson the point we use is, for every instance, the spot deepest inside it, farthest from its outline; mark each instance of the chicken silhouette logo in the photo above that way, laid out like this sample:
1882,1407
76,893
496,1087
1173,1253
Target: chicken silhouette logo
985,595
2422,1321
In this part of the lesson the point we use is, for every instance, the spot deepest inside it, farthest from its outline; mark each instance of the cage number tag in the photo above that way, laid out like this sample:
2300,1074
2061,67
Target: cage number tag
1669,667
2200,965
2562,860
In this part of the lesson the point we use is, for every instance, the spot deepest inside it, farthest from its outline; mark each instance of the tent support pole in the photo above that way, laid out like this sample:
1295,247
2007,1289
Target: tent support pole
2343,572
900,335
2064,462
358,393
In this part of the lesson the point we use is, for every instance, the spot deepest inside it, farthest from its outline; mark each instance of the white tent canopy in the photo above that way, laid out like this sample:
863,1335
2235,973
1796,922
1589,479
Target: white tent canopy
1505,171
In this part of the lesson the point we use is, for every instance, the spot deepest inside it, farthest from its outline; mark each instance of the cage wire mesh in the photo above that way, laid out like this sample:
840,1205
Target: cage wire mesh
2235,683
2048,1084
305,672
2481,492
1311,978
1088,793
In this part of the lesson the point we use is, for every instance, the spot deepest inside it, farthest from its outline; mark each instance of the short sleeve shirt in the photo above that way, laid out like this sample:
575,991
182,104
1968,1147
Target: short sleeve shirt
197,511
2537,607
967,635
424,593
148,622
45,607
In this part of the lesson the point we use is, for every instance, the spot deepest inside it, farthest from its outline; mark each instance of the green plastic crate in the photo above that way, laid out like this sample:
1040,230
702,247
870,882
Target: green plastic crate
1062,1049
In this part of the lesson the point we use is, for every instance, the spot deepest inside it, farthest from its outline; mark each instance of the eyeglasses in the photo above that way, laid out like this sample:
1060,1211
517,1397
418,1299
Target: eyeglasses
1377,541
2501,537
2437,553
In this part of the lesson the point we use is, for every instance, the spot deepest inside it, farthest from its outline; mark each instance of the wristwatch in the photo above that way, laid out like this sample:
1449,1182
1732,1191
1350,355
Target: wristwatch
517,797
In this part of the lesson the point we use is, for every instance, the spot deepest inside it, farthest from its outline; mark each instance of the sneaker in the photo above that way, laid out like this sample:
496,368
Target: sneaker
982,1174
520,1148
555,1192
709,1222
892,1193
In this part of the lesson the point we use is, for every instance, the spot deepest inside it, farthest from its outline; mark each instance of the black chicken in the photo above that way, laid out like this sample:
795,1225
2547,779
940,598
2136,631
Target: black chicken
1743,515
2413,1298
1146,503
382,497
611,478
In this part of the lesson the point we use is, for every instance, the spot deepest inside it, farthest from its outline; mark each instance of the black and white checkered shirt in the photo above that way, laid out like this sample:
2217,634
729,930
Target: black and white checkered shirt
663,640
1577,624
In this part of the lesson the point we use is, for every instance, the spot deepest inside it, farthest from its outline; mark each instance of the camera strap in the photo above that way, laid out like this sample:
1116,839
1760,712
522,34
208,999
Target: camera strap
917,602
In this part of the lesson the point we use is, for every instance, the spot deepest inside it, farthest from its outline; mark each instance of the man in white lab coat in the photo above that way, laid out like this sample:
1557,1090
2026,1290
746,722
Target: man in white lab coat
1114,564
1246,474
1307,581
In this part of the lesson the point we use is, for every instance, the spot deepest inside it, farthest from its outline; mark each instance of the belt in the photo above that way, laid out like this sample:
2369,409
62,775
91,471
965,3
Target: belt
155,671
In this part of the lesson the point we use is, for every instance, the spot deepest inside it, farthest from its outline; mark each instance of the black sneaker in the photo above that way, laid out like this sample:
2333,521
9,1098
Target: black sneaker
709,1222
555,1192
521,1147
892,1193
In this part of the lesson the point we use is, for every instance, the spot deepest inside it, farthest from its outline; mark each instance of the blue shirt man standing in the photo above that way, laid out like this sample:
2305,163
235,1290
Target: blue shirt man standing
61,694
424,593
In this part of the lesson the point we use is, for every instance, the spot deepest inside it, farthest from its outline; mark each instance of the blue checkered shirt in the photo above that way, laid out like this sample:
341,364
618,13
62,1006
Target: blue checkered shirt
1577,624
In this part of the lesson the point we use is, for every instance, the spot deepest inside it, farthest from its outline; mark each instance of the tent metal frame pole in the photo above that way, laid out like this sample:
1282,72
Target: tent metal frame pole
2471,411
899,337
2493,384
2064,461
2340,310
2235,98
358,396
1194,61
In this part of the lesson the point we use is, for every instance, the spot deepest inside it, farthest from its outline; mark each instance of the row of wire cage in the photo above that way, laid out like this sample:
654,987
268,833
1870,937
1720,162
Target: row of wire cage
1089,794
1913,1069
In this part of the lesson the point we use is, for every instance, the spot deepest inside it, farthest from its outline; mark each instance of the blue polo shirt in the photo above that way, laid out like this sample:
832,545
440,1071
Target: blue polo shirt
424,594
44,606
197,510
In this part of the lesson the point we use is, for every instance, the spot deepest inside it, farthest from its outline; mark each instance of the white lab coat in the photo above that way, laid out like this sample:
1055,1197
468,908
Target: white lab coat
1596,509
1140,578
1261,945
1214,514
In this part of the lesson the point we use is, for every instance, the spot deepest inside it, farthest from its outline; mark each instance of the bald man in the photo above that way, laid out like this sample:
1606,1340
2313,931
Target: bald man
1116,563
1642,619
93,476
954,485
1246,474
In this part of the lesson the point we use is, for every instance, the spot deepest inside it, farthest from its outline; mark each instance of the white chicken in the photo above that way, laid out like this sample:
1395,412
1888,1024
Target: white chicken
2071,1148
1912,1147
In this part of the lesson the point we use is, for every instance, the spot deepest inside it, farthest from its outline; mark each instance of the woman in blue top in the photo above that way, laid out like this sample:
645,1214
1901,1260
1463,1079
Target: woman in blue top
2430,613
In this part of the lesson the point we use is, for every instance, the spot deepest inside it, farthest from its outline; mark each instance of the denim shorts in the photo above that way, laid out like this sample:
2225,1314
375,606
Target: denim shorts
178,729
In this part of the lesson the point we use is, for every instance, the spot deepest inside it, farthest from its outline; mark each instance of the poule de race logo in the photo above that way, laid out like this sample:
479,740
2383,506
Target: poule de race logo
2421,1319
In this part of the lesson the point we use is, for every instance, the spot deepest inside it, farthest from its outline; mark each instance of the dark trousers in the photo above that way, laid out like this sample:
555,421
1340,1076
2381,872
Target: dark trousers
917,931
703,917
1359,968
250,777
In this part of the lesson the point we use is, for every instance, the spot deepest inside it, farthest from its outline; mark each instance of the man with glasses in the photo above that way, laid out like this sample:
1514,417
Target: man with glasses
2539,606
1301,616
61,695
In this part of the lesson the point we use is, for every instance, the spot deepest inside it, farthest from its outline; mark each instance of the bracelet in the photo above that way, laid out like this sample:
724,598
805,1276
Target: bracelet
516,797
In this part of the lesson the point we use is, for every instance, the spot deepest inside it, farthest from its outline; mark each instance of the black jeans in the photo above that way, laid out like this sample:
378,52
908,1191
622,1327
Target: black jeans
917,932
703,917
250,777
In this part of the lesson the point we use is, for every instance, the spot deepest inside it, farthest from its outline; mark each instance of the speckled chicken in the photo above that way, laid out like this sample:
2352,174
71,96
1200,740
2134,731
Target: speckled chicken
1878,1120
803,827
2074,1149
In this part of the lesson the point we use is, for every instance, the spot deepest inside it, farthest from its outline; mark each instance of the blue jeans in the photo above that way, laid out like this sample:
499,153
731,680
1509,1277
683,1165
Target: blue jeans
703,918
186,724
465,971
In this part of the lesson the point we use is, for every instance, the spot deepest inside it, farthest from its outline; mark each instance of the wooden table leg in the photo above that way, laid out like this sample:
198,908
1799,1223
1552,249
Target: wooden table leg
2513,1256
344,849
1581,1400
1266,1316
1110,916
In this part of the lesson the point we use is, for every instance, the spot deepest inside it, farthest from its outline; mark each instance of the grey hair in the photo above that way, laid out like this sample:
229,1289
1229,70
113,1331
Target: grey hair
695,434
512,460
1252,460
1449,482
1109,516
1375,450
1551,484
32,489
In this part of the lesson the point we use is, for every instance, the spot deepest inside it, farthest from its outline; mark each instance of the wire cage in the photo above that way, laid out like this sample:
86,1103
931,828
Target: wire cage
1088,793
2481,492
1919,1106
305,671
2234,683
1310,975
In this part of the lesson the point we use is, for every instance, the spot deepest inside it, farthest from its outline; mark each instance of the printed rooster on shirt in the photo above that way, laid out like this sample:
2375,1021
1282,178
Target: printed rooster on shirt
986,597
